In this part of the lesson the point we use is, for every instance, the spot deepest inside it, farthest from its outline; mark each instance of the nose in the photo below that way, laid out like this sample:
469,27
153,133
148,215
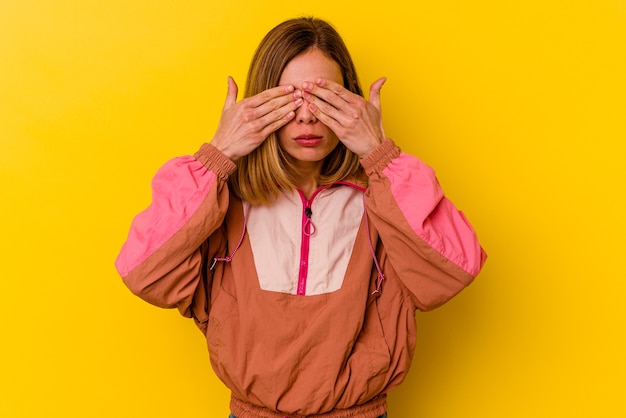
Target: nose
304,114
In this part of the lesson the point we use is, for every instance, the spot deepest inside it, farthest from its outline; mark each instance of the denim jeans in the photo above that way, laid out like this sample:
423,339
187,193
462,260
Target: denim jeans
382,416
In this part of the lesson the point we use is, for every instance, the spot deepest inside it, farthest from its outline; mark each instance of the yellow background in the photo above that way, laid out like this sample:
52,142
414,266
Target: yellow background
520,106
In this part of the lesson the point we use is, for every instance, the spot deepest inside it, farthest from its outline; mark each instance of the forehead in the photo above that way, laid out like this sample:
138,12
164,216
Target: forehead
310,65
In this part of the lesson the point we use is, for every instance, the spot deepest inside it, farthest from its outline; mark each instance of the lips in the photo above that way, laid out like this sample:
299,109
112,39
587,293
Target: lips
308,140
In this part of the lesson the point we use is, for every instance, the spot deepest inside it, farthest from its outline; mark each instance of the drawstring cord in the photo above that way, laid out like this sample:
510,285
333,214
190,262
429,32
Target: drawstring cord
310,230
381,276
228,258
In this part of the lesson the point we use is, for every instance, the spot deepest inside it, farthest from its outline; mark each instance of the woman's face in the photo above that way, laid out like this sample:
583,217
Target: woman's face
306,139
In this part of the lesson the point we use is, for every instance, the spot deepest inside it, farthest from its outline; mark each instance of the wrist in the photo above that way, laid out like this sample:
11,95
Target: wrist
366,152
380,157
228,153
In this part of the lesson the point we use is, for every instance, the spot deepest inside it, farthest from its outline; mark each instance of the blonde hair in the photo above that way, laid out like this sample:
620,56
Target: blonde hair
267,170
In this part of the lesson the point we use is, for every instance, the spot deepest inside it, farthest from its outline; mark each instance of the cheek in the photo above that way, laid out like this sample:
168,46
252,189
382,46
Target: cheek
333,140
283,133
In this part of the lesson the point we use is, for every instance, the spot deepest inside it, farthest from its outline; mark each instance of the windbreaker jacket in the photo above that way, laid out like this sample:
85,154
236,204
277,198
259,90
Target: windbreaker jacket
307,305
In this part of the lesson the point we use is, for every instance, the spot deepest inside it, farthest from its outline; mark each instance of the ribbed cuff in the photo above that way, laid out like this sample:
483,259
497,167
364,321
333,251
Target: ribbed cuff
215,161
380,158
371,409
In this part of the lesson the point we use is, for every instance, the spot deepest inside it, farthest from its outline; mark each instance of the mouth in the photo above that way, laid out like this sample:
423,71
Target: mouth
308,140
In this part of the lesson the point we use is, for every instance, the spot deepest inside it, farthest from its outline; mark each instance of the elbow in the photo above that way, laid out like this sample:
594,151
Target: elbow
146,291
137,287
441,293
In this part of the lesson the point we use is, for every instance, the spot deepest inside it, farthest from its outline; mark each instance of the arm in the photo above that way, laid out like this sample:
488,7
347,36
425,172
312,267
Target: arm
430,244
162,259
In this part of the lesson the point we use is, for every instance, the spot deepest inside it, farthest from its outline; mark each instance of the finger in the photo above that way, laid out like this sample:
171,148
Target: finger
279,117
334,100
269,94
329,91
375,92
231,95
340,112
280,105
338,89
325,116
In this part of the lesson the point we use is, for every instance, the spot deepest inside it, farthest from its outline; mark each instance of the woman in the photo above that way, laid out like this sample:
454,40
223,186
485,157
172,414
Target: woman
301,240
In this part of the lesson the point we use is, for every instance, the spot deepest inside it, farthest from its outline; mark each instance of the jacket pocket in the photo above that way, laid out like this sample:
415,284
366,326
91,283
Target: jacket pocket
375,353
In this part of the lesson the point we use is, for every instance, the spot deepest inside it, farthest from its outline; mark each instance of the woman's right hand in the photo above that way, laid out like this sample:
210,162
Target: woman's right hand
244,125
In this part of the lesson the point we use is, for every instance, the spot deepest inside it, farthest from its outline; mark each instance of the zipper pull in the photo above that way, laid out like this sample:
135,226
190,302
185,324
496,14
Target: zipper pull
309,226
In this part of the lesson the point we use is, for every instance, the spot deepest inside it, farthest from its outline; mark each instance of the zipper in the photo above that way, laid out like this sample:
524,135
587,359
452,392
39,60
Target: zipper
308,229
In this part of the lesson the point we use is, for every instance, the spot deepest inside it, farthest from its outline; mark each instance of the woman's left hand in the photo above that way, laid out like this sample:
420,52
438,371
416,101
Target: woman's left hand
357,122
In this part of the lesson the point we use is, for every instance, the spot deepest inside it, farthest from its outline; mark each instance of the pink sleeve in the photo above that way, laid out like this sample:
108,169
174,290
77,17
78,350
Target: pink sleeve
161,259
178,189
430,244
431,215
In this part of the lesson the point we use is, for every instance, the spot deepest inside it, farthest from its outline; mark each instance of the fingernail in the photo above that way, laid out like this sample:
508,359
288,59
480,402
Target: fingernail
298,102
307,86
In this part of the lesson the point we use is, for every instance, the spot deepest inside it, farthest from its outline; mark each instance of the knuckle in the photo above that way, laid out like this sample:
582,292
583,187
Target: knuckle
324,107
258,136
357,111
350,124
266,95
256,125
246,103
248,116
